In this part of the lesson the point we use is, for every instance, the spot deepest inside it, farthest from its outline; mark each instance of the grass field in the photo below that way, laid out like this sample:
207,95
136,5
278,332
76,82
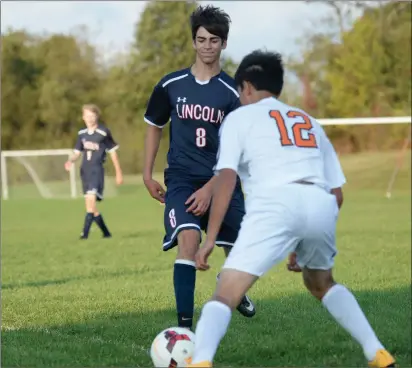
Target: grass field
101,302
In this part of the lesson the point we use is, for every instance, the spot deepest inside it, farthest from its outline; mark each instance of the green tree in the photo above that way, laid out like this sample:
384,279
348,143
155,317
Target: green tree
70,78
363,70
19,97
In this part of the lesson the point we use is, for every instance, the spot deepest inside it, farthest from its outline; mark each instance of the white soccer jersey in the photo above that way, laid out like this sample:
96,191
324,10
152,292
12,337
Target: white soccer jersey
270,144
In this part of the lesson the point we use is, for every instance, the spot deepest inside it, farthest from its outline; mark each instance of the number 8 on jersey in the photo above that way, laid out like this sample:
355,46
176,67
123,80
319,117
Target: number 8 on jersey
201,137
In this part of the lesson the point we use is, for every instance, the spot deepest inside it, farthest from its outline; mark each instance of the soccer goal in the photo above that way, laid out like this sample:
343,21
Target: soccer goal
37,173
379,121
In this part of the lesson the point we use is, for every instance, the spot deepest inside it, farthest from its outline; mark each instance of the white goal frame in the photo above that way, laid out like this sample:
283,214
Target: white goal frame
72,173
32,173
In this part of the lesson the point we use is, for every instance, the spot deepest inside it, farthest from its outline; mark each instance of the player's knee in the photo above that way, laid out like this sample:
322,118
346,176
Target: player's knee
318,282
232,303
91,203
188,241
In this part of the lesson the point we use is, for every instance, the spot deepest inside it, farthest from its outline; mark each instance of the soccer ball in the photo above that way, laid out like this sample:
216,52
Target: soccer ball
172,347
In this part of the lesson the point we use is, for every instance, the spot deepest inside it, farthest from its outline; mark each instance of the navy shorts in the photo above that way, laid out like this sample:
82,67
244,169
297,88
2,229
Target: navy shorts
93,182
177,219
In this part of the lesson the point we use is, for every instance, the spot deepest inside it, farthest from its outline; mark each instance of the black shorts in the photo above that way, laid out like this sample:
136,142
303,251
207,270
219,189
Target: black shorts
177,219
93,182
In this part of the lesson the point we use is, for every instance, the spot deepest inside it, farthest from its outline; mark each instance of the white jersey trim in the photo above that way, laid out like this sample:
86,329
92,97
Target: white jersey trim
153,124
231,88
174,80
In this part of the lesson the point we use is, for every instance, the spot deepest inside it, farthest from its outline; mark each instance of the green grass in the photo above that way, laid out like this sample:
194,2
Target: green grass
101,302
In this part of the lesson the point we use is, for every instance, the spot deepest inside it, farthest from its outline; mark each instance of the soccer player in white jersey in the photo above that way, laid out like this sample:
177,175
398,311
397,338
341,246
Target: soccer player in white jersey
292,180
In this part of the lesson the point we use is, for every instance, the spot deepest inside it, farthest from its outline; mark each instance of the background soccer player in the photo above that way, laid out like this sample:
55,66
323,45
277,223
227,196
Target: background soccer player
291,169
196,100
94,142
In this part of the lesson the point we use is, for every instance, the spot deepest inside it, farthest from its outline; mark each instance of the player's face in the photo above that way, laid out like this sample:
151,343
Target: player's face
208,46
89,118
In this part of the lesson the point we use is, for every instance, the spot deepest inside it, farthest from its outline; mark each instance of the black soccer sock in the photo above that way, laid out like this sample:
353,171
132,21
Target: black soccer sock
88,220
100,222
184,279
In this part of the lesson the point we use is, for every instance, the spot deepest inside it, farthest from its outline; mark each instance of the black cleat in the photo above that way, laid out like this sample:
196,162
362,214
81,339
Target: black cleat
246,307
107,236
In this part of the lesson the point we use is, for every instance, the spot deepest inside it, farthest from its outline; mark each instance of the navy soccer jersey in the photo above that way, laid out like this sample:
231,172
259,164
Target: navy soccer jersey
94,145
196,111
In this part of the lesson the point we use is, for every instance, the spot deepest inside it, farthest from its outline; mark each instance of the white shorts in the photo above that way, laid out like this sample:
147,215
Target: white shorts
296,217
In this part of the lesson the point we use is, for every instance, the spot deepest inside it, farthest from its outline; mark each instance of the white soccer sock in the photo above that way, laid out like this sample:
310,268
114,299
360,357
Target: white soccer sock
342,305
210,329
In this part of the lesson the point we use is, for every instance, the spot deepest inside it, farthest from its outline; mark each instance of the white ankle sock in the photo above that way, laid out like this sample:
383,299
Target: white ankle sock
210,329
342,305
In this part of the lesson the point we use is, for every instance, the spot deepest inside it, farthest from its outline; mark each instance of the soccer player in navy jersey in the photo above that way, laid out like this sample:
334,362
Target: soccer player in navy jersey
93,142
196,100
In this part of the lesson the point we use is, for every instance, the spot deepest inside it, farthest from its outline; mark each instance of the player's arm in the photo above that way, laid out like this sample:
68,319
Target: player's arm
152,143
332,168
112,147
157,115
230,152
76,154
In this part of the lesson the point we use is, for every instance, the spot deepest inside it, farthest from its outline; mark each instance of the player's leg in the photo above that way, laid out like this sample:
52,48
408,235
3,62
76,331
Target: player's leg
98,217
315,255
182,230
184,276
227,236
217,313
90,202
263,241
344,308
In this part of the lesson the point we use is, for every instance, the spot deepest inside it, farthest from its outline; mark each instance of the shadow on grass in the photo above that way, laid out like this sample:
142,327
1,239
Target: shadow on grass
287,331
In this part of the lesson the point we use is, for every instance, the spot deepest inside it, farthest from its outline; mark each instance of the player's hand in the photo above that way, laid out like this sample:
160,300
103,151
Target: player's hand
199,201
68,165
155,190
202,256
292,264
119,179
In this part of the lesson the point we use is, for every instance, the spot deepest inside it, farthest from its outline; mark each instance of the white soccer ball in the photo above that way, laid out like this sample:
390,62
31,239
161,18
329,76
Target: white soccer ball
172,347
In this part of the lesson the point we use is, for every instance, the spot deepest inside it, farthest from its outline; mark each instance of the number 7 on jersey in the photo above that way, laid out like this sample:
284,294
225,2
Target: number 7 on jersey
297,129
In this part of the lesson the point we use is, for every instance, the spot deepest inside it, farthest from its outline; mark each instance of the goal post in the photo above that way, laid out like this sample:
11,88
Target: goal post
379,121
367,121
40,171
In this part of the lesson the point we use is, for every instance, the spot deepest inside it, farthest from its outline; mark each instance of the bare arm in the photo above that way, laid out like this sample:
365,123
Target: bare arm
75,156
210,184
222,194
339,196
115,159
152,143
224,185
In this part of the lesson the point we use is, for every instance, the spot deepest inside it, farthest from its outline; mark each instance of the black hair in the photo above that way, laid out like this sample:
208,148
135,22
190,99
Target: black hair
263,70
213,19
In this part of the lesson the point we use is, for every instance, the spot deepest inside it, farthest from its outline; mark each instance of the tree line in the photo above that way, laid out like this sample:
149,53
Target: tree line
347,71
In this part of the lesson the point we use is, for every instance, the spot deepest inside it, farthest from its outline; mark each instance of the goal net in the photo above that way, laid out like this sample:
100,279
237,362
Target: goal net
41,174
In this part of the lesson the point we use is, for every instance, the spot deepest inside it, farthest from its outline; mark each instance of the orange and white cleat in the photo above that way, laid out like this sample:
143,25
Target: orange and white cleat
204,364
382,360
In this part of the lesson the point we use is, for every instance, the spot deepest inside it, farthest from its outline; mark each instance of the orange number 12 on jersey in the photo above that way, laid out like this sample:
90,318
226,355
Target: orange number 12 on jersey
297,129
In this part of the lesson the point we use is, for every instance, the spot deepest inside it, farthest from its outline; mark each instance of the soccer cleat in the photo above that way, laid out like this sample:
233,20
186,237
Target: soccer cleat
382,360
246,307
204,364
107,236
